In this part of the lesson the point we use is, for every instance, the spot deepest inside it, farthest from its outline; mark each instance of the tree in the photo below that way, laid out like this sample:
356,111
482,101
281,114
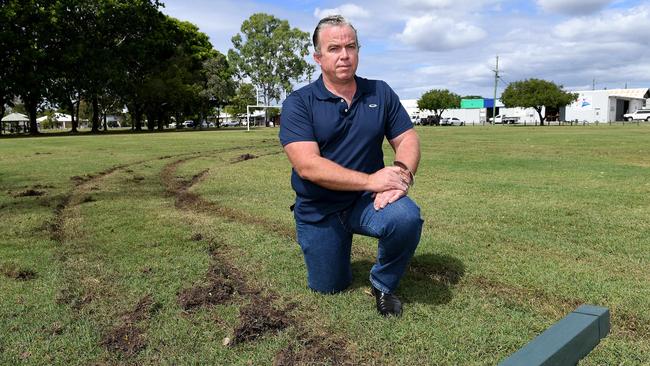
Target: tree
219,85
438,100
536,93
270,54
142,43
245,96
7,75
33,58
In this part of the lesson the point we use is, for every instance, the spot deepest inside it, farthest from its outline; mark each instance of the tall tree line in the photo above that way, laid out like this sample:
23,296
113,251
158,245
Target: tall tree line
109,53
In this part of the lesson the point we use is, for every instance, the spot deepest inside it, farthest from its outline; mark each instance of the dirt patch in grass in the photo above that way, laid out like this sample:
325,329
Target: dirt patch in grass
313,349
261,315
257,319
29,193
56,226
129,337
16,272
218,291
223,282
243,157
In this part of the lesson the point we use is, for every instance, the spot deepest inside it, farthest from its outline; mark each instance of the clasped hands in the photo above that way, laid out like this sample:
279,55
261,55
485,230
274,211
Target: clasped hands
389,184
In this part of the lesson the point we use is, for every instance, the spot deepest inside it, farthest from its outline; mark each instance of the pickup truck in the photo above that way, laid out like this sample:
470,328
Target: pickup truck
504,119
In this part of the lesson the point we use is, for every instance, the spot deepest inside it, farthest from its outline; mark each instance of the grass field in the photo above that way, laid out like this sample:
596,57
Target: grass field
179,248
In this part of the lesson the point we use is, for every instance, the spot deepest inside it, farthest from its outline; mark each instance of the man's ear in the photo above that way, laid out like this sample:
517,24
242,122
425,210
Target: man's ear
317,57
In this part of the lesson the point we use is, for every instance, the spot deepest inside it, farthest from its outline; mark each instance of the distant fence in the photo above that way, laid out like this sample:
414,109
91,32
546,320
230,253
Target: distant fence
558,123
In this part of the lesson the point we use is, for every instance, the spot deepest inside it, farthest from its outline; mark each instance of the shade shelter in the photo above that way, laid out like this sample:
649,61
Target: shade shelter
15,120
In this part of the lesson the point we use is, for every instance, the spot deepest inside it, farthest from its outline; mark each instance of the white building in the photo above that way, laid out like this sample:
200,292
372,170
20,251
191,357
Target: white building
474,115
591,106
604,105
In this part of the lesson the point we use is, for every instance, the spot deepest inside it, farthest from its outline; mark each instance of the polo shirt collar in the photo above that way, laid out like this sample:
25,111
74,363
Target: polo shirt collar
321,92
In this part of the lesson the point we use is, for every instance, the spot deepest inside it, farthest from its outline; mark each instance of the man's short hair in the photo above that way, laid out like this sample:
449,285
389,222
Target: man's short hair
332,20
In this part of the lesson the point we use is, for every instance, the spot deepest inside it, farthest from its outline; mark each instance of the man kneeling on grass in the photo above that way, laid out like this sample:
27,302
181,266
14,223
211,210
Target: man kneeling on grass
332,131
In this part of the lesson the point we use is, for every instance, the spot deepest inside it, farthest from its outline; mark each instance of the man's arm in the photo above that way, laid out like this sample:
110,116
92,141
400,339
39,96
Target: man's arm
310,165
407,151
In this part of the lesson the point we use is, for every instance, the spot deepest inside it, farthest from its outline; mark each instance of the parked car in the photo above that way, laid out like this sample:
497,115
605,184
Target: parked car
230,124
504,119
639,114
453,121
188,123
429,121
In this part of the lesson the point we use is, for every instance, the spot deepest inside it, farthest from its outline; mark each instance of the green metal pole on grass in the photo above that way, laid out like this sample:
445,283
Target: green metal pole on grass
565,342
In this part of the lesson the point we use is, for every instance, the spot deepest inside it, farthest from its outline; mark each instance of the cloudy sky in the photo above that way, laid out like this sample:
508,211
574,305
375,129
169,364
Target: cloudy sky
418,45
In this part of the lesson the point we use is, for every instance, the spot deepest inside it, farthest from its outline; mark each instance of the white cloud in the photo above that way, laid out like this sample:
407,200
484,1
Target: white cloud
610,45
427,4
349,11
466,5
432,33
573,7
631,26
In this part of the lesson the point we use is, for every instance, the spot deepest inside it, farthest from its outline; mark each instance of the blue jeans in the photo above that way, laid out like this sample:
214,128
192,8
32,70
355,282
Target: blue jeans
326,244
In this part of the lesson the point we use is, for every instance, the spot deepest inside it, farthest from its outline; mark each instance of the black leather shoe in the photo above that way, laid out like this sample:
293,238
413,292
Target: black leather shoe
387,304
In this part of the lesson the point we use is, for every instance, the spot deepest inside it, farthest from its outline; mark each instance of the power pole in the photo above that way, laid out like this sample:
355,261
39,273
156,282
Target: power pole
494,102
593,84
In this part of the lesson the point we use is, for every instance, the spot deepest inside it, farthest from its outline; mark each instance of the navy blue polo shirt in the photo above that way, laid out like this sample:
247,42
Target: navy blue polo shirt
350,136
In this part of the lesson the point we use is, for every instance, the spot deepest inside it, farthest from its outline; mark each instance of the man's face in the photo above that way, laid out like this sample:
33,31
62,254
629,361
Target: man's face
339,55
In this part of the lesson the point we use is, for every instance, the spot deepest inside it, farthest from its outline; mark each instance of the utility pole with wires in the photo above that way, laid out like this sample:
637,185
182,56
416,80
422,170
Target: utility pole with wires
496,81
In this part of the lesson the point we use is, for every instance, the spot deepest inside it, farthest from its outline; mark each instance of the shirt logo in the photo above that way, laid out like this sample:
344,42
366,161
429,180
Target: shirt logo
372,105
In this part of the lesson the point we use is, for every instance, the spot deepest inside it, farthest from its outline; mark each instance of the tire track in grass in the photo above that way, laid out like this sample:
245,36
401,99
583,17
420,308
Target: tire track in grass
187,200
630,325
625,324
259,313
128,337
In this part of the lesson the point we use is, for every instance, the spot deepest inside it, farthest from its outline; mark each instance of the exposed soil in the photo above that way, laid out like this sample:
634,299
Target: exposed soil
218,291
243,157
257,319
29,193
260,316
56,227
313,350
78,179
17,273
129,337
223,282
42,186
197,237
